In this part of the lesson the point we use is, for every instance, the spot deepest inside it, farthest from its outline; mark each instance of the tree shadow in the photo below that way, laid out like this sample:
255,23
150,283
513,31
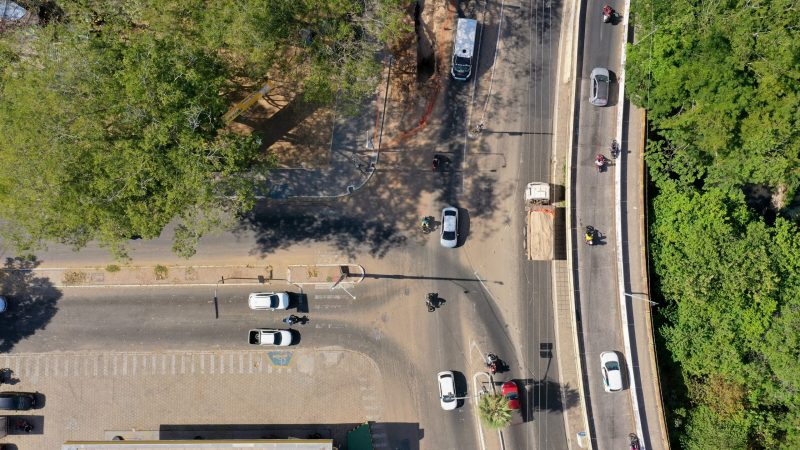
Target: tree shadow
545,395
348,234
279,126
31,301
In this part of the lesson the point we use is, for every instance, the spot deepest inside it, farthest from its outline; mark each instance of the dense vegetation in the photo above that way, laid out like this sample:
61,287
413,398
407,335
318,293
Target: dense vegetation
110,120
721,83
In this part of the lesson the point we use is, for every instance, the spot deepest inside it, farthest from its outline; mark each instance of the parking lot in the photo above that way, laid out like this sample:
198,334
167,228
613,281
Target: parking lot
99,395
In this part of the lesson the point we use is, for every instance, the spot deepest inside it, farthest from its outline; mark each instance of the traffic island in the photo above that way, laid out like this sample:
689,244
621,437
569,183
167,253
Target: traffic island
326,275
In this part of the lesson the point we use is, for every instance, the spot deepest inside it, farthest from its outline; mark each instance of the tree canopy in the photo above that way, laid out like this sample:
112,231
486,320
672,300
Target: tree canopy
110,124
720,83
493,409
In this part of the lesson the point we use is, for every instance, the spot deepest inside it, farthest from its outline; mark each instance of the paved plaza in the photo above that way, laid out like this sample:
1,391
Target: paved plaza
99,395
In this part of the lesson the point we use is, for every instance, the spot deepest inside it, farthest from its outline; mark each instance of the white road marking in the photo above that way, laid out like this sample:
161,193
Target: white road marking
129,364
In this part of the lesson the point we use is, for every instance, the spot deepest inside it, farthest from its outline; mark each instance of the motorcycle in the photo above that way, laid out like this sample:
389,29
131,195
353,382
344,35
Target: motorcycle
427,224
431,301
588,237
614,149
492,363
23,425
608,14
291,320
600,162
634,441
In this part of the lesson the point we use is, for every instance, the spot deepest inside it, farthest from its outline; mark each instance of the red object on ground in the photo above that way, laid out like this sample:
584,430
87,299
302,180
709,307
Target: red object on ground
511,392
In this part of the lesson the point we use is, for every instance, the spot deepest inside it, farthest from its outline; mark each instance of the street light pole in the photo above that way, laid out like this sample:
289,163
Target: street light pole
639,298
216,304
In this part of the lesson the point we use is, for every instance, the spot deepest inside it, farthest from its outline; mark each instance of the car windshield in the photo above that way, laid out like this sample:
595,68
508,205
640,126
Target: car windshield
273,301
448,397
511,396
612,365
461,61
449,235
276,339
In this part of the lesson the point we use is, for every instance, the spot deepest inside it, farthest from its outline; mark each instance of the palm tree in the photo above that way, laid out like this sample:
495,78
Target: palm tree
494,410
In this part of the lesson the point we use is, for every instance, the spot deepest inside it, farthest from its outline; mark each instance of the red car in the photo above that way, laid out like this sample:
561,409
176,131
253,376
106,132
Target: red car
511,392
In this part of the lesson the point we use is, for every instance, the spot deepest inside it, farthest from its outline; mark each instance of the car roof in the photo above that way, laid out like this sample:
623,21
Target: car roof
609,356
449,216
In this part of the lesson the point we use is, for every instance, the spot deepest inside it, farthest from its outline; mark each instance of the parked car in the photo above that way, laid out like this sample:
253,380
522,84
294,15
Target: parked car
266,336
601,80
268,300
447,390
17,401
510,391
449,227
612,372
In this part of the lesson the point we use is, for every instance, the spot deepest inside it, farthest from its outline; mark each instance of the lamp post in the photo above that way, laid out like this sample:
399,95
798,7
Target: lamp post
216,304
639,298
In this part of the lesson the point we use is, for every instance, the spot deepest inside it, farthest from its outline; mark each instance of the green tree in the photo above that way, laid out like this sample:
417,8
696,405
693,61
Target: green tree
494,411
125,140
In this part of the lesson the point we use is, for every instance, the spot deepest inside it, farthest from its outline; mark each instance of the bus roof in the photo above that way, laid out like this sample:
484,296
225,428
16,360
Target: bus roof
465,37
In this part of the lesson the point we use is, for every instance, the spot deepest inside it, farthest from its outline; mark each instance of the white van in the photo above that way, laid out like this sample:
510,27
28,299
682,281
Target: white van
464,48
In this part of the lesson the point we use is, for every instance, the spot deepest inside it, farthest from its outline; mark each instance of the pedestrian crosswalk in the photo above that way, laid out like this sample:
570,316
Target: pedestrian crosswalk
103,364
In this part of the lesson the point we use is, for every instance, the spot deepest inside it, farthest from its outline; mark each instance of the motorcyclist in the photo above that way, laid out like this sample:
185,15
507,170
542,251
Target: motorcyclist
426,223
291,320
429,301
614,148
608,13
492,363
589,235
600,161
634,441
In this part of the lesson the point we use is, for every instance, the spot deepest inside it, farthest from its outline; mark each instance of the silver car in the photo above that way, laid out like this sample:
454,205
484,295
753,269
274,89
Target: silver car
268,300
449,227
601,80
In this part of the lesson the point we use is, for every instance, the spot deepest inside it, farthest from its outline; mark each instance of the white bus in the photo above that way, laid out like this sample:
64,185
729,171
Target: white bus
464,48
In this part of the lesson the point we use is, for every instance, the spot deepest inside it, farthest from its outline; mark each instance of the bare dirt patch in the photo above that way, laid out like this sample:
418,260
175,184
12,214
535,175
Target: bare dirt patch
295,132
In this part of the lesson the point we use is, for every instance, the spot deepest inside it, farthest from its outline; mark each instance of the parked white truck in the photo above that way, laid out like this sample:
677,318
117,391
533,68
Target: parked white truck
541,218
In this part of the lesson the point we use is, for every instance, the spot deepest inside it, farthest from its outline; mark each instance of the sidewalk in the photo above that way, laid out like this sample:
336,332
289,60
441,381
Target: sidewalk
158,275
634,244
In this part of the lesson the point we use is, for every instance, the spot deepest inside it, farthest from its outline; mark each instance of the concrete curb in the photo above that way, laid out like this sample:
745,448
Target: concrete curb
151,276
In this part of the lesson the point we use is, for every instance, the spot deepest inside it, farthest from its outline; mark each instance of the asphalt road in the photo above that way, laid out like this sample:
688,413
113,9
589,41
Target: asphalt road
610,414
509,313
515,100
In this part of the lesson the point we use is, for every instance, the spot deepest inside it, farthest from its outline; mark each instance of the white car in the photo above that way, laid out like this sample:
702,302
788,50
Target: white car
268,300
447,390
266,336
449,227
612,372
